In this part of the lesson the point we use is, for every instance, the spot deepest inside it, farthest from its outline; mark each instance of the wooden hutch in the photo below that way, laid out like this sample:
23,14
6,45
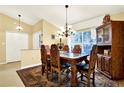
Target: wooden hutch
110,41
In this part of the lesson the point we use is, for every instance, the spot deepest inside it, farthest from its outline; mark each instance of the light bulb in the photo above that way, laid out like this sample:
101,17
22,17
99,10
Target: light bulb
19,28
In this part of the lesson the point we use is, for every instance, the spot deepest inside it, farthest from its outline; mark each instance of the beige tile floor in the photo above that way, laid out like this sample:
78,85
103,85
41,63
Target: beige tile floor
9,77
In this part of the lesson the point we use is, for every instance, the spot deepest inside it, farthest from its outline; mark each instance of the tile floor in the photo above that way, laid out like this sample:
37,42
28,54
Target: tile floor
8,75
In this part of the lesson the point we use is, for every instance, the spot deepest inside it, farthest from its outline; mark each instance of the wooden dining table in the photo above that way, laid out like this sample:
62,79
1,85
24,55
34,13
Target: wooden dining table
73,59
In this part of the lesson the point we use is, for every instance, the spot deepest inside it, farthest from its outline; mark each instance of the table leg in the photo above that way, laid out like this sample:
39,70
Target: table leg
74,82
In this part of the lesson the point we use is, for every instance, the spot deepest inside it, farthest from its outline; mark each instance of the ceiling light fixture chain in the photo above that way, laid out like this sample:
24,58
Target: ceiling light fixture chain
19,25
67,30
19,18
66,26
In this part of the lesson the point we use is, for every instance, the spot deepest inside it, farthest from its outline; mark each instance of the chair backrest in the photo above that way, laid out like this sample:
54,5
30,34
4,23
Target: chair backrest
93,58
77,49
66,48
43,54
55,57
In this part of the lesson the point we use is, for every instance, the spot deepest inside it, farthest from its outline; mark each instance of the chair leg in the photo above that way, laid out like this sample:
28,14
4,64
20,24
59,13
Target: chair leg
46,72
59,77
67,72
88,80
94,78
81,77
43,69
51,74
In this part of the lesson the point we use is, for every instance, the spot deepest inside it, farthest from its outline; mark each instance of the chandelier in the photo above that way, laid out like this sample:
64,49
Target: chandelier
19,26
67,30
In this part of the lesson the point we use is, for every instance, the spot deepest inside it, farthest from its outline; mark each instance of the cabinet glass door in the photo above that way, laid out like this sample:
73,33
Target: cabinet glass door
100,36
107,34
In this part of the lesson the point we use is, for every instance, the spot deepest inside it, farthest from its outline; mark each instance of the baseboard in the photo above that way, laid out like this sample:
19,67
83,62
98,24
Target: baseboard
2,63
13,62
30,66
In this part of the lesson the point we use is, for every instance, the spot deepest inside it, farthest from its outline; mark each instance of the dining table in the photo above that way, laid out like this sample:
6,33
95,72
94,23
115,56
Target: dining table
73,59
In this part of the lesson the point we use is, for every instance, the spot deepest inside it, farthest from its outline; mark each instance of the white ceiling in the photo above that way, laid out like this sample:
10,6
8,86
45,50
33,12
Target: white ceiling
56,13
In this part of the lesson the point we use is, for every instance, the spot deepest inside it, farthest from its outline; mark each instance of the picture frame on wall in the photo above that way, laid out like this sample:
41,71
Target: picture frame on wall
52,36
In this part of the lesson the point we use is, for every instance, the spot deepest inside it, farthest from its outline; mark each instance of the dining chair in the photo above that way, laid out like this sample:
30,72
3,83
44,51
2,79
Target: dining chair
55,62
44,60
47,47
88,69
66,48
77,49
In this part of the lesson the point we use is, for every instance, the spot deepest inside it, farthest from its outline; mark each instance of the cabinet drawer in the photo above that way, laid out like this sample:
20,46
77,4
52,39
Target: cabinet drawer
104,64
99,60
107,65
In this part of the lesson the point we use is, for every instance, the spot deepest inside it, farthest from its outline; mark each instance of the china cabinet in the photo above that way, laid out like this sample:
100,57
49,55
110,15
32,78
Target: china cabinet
110,42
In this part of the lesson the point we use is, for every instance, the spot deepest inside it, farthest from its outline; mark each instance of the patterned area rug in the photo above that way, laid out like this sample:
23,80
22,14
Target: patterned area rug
32,77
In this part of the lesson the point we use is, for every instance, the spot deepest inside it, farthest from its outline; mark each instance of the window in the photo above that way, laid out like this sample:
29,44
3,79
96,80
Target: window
85,39
37,40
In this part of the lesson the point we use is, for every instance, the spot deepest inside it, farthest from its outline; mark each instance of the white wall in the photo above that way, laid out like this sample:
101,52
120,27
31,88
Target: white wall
95,22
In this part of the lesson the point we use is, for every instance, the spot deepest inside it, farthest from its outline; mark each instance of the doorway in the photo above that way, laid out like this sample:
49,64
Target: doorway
37,40
14,43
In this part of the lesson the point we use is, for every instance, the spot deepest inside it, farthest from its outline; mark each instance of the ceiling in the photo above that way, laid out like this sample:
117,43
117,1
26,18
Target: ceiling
56,13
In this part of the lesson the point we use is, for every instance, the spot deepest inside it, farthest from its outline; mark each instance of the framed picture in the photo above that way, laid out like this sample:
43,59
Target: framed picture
52,36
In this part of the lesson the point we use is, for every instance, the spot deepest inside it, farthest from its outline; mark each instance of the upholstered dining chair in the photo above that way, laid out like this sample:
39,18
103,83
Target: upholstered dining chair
66,48
44,60
55,62
77,49
88,69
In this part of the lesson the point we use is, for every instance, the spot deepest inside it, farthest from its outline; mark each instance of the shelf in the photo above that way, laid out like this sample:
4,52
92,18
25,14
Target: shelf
104,44
108,56
109,76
